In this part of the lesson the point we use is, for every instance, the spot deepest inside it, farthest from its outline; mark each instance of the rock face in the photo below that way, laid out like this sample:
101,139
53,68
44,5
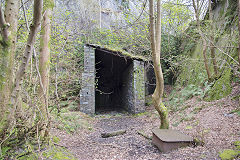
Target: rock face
112,11
225,25
98,13
111,81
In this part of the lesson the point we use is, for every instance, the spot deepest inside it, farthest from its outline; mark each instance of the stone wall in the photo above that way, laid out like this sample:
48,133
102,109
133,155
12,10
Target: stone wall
131,91
127,89
87,93
139,86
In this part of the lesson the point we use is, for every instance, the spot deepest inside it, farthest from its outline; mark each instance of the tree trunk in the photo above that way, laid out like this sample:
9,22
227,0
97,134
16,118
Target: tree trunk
212,49
239,32
38,4
155,37
197,14
8,24
44,63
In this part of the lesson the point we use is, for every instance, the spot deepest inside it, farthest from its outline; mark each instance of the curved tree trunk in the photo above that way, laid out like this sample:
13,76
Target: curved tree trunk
44,63
155,36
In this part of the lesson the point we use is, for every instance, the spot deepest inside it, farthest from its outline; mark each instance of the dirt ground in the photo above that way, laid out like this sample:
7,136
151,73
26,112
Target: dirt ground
210,122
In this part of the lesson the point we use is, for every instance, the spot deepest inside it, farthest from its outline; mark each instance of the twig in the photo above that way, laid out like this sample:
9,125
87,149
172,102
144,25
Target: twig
60,145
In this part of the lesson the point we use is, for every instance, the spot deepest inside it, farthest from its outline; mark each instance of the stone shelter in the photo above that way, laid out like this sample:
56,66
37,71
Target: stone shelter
114,80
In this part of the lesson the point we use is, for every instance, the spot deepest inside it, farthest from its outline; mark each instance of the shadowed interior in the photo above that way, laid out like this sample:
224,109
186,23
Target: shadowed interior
113,77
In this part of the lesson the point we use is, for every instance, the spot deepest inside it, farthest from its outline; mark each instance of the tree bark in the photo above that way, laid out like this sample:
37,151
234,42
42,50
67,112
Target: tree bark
44,63
8,24
239,32
197,14
212,49
38,5
155,37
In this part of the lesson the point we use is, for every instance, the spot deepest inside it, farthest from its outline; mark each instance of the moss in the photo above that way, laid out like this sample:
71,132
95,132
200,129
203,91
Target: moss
55,139
229,154
139,75
222,86
237,144
141,114
58,153
189,127
55,153
164,117
123,52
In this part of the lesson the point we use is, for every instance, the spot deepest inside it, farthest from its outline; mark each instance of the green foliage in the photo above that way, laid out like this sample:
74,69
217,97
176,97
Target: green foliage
178,97
190,91
171,56
55,139
237,144
176,17
4,152
192,69
48,4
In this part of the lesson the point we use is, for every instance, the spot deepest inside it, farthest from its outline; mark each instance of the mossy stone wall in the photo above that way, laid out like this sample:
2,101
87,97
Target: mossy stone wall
222,86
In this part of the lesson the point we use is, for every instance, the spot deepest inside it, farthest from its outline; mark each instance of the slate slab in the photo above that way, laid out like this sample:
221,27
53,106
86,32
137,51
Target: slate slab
167,140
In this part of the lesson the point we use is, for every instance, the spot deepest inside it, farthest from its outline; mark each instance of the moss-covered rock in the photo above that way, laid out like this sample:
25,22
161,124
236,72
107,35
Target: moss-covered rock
229,154
222,86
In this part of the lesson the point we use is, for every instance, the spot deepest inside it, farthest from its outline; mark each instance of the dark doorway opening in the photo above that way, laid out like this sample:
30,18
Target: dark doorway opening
150,79
113,76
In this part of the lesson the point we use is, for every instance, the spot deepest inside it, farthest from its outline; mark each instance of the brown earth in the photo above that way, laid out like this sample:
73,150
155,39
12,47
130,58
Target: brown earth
212,123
